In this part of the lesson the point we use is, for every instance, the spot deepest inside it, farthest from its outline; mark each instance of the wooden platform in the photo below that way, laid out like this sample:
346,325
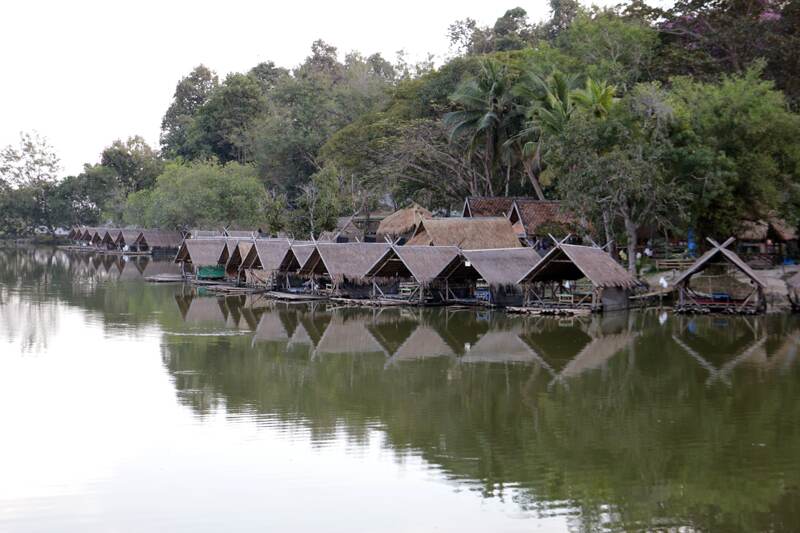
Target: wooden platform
294,297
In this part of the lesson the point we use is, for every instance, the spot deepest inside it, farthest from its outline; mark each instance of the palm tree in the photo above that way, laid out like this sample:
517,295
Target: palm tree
551,103
597,97
548,107
487,105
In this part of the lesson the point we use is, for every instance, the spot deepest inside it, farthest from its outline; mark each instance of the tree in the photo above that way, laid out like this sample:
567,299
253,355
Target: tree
318,205
485,108
191,94
741,156
618,168
611,47
29,176
197,195
135,164
220,127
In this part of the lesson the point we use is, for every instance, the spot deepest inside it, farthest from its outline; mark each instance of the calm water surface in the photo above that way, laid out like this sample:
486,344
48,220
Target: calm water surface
131,407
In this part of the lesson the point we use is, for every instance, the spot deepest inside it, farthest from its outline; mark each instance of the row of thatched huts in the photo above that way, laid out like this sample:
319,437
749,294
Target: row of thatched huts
568,276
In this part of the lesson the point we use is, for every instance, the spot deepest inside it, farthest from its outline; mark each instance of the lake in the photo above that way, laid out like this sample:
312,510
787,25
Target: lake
127,406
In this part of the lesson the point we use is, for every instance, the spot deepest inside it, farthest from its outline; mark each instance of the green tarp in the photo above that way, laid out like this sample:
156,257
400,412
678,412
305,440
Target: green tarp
211,272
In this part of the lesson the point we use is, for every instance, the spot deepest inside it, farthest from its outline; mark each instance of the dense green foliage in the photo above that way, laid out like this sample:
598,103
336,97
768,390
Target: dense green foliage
637,116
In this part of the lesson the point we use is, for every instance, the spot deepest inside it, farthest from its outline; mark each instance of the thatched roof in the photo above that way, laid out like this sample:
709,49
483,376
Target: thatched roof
240,252
720,251
502,266
160,238
466,233
201,252
573,262
423,263
487,206
302,253
529,216
268,254
794,281
402,221
127,237
761,230
349,260
88,233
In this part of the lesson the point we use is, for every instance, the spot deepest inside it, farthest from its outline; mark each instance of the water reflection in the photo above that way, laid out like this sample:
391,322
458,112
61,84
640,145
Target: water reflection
620,421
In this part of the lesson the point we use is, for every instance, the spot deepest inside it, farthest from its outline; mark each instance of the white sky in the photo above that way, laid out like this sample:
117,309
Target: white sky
83,73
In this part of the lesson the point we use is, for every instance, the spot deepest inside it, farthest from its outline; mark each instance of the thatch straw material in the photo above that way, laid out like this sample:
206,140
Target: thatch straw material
466,233
502,266
423,263
240,234
268,254
301,254
532,217
160,239
200,252
402,221
572,262
794,281
719,252
127,237
344,261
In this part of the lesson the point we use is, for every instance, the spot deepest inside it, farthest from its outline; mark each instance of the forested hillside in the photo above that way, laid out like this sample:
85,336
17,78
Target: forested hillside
684,118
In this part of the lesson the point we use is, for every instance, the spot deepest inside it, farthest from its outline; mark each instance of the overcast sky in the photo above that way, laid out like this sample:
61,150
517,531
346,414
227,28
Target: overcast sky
83,73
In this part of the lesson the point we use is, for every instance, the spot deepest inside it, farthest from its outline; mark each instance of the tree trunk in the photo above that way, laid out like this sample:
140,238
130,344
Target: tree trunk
537,187
630,232
612,246
508,178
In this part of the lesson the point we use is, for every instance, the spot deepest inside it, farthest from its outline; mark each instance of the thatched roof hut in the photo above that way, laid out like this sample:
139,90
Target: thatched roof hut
267,254
466,233
159,240
402,222
343,261
298,255
422,263
127,237
569,262
75,233
499,267
487,206
201,252
538,218
88,234
773,227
